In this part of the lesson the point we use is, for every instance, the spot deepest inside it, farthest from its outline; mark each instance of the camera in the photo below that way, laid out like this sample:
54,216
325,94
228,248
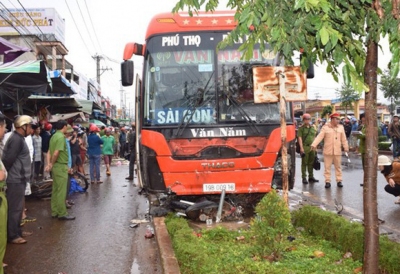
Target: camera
302,154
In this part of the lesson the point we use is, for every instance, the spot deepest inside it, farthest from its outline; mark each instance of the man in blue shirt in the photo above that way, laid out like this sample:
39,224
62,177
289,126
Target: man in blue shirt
94,152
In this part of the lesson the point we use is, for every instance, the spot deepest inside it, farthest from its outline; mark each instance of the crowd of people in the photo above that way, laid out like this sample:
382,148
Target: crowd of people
337,136
32,152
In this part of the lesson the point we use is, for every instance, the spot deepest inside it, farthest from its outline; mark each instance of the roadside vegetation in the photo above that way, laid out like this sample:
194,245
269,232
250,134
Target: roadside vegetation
309,240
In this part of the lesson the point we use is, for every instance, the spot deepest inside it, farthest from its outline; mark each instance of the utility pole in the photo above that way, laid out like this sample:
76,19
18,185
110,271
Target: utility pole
122,102
99,71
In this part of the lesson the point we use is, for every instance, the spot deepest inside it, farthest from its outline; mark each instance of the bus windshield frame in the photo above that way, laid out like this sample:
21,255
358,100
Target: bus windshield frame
188,81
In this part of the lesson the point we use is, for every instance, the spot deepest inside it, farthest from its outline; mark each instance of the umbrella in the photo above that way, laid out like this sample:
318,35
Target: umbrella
97,122
11,51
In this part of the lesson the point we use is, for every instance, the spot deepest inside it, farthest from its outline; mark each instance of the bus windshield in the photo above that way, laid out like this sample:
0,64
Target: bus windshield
187,81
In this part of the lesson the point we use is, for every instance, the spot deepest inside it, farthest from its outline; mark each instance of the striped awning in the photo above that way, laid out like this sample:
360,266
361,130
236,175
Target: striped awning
31,66
51,95
29,75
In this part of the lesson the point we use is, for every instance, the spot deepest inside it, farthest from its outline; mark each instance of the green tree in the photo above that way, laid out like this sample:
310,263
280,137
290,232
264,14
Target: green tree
336,32
391,89
326,111
347,96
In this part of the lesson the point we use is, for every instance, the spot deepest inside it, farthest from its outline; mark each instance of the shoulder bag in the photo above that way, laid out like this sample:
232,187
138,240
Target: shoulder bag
317,163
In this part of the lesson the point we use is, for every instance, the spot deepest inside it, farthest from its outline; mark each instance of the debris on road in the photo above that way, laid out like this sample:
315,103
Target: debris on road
139,221
149,232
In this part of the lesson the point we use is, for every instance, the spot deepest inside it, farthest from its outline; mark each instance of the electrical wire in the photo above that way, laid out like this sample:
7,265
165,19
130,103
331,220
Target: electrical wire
95,33
26,30
31,18
48,51
84,22
80,34
9,21
94,30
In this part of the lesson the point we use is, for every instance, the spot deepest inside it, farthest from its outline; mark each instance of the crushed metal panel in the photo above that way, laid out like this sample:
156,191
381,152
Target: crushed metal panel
266,84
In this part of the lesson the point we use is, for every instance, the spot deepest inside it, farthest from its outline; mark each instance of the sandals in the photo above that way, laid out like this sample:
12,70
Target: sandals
26,233
108,173
19,241
29,219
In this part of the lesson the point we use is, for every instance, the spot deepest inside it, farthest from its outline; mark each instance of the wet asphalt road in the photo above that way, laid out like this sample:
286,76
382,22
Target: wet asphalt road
98,241
101,241
351,195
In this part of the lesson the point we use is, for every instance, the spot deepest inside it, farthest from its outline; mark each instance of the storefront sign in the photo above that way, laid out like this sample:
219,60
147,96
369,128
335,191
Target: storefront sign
35,20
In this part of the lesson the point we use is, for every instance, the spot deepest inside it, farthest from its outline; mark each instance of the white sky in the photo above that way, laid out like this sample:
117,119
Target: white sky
117,22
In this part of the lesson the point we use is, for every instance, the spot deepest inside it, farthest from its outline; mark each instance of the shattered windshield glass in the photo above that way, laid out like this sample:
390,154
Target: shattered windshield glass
187,81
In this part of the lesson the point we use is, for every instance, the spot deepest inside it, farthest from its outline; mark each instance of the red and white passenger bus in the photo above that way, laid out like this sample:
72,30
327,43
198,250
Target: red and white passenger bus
199,130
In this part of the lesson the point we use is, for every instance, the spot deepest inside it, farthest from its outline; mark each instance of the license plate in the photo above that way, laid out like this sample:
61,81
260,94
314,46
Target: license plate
218,187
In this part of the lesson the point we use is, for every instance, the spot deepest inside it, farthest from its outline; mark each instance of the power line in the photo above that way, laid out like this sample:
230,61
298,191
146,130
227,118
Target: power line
31,18
94,30
310,86
84,21
73,19
9,21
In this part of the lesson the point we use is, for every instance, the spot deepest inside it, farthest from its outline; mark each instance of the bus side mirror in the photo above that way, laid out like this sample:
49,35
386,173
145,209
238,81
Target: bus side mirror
310,69
127,73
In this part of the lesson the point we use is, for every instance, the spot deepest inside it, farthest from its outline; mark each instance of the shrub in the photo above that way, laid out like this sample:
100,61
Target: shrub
346,236
384,145
382,138
272,225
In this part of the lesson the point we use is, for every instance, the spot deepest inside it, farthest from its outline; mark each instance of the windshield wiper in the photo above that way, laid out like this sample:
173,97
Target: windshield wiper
195,102
246,116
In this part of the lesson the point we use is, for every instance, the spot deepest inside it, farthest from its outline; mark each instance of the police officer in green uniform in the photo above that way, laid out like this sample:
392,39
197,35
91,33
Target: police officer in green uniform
306,135
58,165
3,200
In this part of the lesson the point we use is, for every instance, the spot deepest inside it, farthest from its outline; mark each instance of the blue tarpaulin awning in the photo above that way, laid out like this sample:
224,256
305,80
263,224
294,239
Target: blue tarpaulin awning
60,84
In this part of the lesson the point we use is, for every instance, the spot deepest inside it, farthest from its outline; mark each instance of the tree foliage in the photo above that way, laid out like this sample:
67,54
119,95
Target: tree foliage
337,32
326,110
347,96
327,31
390,88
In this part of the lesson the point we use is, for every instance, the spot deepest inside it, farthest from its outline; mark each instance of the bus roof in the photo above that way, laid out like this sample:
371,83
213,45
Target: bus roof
182,22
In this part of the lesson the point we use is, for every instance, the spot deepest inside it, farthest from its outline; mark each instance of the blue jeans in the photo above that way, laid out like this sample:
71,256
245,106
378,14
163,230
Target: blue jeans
396,147
94,163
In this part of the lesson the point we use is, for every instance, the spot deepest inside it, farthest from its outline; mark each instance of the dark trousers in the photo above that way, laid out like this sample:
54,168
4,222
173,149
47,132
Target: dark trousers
15,198
122,150
132,159
395,191
37,168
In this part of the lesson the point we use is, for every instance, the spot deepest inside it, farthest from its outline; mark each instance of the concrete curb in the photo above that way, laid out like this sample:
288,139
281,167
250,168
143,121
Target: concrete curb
168,260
